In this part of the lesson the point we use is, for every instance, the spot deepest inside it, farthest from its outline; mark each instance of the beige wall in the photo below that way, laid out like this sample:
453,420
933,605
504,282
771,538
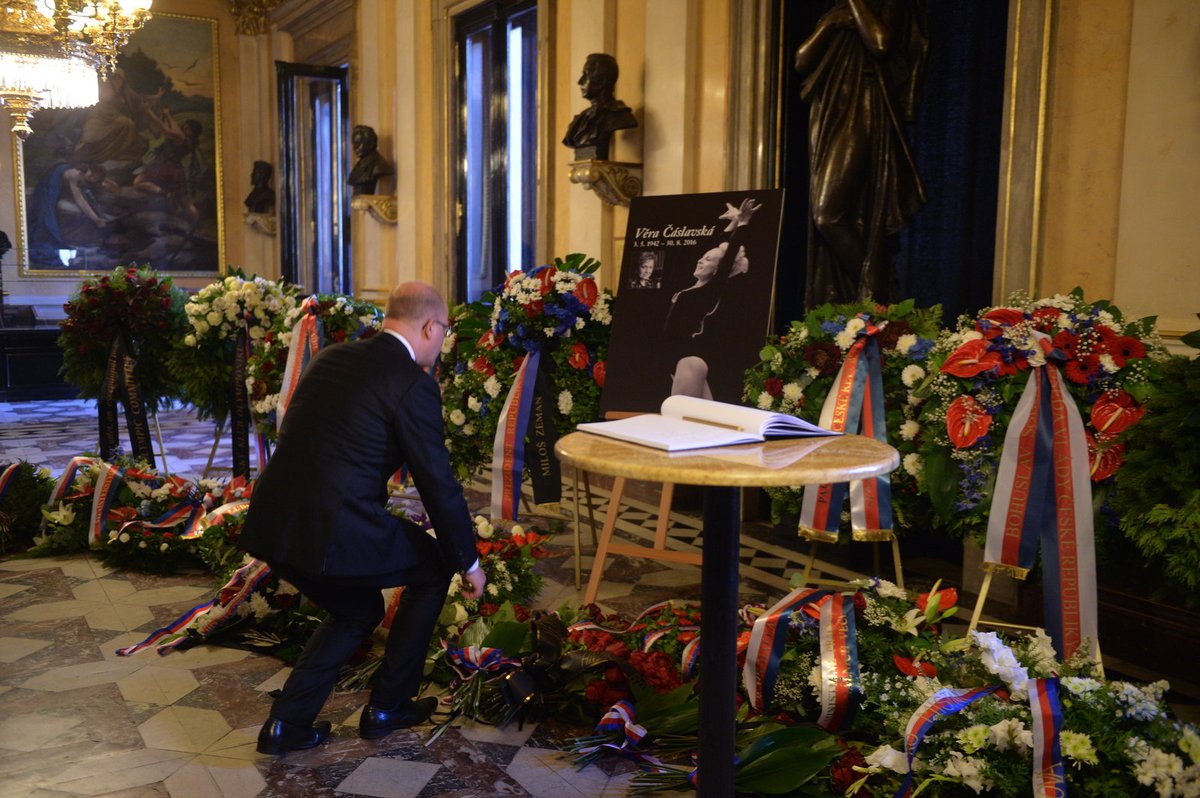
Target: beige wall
1097,168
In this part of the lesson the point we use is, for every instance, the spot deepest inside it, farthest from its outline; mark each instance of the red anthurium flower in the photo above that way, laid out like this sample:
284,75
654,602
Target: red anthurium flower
966,421
910,668
1115,412
971,359
482,365
946,599
598,372
546,279
1104,456
578,357
993,322
586,292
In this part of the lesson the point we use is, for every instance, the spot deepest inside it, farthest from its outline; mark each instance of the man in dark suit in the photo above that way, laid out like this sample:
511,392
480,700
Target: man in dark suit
318,517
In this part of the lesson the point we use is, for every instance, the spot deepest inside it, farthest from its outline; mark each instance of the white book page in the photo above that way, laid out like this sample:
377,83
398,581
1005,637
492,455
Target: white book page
734,417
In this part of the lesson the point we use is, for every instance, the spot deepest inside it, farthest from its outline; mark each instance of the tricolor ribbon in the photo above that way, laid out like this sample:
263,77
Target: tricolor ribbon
854,404
187,514
620,720
841,690
1049,775
471,660
7,476
108,482
203,619
216,516
653,609
1043,492
308,336
508,447
67,478
690,656
943,703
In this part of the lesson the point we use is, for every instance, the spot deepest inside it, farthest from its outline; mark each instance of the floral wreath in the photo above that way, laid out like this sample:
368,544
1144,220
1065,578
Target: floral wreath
557,308
134,300
978,372
343,318
796,372
204,357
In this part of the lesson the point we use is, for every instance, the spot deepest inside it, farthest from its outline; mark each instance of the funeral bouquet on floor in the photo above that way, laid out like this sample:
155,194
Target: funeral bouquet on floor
834,351
979,372
296,336
24,490
553,316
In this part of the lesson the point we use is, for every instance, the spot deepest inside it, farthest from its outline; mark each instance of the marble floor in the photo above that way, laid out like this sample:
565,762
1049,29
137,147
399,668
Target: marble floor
75,719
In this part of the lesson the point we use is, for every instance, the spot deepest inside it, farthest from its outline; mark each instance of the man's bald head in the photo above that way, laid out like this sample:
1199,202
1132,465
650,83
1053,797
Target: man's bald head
414,302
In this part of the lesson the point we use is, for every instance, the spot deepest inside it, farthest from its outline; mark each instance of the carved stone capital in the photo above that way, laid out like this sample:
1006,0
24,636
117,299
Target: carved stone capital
382,207
615,182
250,16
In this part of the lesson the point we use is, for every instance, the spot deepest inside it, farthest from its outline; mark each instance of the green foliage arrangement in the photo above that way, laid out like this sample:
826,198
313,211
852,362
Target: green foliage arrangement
797,371
139,302
203,358
1158,490
24,493
555,308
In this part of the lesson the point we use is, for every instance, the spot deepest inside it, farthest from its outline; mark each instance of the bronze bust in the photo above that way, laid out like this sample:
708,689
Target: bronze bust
370,165
261,198
591,130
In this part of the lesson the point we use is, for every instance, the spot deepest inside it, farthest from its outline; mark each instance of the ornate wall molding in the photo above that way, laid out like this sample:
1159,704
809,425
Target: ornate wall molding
250,16
615,182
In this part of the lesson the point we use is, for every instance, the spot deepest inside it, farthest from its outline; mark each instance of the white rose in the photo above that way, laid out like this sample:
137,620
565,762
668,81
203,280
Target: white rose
473,404
200,326
213,318
163,547
189,340
124,538
457,418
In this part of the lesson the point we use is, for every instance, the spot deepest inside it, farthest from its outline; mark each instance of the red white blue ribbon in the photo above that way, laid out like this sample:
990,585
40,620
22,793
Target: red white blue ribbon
7,477
945,702
187,515
474,659
854,404
108,483
508,447
307,338
620,720
1043,492
218,515
841,690
1049,775
67,478
690,656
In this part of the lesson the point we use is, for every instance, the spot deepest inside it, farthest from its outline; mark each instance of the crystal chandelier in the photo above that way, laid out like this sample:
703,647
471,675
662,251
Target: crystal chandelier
35,71
96,30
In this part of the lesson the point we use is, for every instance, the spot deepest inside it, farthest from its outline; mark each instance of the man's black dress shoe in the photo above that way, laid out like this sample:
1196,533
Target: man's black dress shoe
375,723
277,737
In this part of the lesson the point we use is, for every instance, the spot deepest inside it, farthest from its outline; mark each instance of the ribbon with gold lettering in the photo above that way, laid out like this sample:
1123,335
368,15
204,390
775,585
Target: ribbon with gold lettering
508,447
841,691
239,404
1049,775
108,482
854,404
119,385
1043,494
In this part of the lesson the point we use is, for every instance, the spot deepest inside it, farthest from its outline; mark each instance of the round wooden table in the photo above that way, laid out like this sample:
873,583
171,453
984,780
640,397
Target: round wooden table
791,462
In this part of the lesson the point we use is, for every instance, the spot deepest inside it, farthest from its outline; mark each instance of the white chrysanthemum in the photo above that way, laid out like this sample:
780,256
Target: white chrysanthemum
844,340
909,429
793,392
911,375
813,372
1080,686
913,465
855,324
473,404
468,429
565,402
457,418
1078,748
765,400
972,738
491,386
906,342
888,589
492,589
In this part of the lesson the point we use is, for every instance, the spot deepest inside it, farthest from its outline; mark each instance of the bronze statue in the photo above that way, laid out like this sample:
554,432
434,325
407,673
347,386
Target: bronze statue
591,130
261,198
862,69
370,165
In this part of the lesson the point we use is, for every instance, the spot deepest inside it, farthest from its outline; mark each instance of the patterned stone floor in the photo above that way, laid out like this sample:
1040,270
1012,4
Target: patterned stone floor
78,720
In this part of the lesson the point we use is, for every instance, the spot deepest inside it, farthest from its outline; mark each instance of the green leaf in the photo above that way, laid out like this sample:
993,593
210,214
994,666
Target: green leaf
508,636
780,762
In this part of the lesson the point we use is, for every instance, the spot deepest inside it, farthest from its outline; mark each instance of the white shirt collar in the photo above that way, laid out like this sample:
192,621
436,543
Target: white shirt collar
404,341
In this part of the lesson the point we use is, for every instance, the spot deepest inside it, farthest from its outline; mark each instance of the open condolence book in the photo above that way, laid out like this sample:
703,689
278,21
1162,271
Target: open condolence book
686,422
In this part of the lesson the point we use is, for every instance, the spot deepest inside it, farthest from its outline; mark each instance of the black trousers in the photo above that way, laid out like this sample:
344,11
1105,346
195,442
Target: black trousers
355,609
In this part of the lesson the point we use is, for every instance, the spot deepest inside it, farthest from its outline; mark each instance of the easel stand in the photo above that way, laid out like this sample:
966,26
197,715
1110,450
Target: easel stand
605,546
858,536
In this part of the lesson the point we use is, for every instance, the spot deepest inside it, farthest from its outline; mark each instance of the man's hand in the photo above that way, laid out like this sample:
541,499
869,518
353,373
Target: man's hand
472,584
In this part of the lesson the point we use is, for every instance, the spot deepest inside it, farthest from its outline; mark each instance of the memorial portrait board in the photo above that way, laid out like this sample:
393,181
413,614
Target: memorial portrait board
135,178
694,303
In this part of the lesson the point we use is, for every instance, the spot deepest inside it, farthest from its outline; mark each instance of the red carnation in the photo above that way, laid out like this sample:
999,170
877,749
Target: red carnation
773,386
579,356
966,421
824,356
971,359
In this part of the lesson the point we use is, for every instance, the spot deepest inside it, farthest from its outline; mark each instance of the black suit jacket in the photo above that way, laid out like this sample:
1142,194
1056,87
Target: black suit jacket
360,410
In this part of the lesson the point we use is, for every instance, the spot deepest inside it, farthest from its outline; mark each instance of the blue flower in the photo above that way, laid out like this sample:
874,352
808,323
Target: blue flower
920,350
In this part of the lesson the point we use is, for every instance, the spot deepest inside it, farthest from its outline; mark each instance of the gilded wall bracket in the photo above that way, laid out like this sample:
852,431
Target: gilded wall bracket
381,207
615,182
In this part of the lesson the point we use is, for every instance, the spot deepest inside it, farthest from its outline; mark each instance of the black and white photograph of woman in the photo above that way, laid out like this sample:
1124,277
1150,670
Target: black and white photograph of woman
649,270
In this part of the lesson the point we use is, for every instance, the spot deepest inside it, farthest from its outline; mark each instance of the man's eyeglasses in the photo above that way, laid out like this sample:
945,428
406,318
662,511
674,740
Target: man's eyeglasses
446,328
